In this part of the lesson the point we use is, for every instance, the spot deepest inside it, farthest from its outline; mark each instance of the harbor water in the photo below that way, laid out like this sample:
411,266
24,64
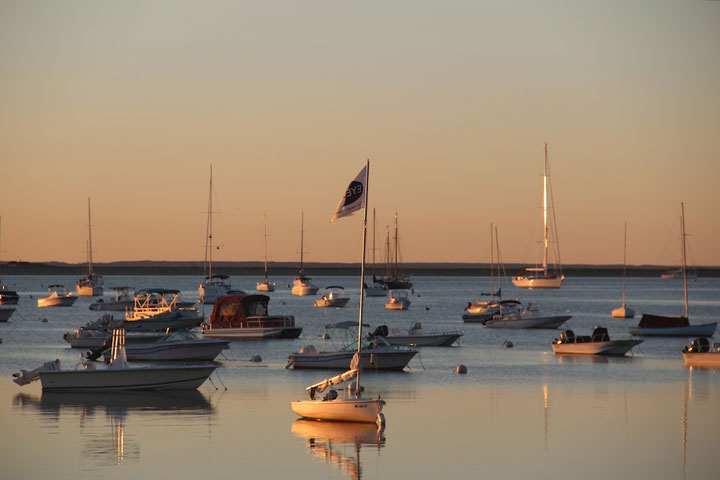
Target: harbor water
519,412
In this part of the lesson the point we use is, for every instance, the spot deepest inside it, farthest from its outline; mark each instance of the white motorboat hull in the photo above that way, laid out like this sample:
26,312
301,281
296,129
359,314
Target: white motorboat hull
250,333
623,312
376,360
189,350
123,379
702,359
173,320
427,340
479,317
550,322
59,301
701,330
401,305
331,302
89,290
265,286
304,290
522,281
611,347
6,313
344,410
211,292
112,306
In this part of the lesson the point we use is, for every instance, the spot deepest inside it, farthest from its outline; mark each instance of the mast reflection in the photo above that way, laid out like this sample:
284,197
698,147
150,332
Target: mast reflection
330,441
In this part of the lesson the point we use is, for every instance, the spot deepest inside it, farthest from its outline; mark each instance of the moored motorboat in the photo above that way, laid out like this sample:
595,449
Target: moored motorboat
482,311
123,301
246,317
598,343
375,352
117,376
417,337
399,300
58,297
334,297
8,297
180,345
701,354
159,309
517,316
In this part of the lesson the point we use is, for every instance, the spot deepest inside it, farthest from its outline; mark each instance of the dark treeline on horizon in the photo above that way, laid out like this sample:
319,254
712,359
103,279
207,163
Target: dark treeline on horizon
149,267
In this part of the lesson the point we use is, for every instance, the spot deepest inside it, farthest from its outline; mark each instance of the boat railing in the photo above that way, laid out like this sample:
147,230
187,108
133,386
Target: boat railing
264,321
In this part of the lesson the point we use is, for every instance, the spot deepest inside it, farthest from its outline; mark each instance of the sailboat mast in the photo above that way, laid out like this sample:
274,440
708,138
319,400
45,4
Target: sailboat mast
362,274
624,261
265,242
545,210
492,287
302,232
90,259
396,246
684,261
207,269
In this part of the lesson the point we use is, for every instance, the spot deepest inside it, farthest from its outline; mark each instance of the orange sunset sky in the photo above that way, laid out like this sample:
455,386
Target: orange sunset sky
128,103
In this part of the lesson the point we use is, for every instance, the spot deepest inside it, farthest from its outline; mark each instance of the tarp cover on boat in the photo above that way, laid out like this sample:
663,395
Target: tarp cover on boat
233,310
658,321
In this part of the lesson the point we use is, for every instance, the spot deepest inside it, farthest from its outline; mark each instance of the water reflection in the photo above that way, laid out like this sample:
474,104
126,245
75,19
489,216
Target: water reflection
103,417
339,443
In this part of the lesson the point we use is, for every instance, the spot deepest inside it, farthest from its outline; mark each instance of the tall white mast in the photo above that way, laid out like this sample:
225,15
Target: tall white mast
684,261
302,233
265,238
624,262
545,211
362,274
90,257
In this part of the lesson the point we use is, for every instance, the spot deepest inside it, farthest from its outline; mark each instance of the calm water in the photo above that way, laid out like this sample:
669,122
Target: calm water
519,412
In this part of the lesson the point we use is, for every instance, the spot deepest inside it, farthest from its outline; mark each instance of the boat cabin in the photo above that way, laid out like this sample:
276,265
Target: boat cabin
238,311
659,321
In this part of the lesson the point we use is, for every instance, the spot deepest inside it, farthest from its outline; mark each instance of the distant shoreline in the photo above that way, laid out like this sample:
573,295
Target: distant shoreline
324,269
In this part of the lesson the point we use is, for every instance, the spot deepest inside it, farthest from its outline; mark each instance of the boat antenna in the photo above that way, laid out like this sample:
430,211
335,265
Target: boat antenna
362,274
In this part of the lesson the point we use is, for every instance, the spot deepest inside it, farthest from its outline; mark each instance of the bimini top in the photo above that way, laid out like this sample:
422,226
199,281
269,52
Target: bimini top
158,291
233,310
658,321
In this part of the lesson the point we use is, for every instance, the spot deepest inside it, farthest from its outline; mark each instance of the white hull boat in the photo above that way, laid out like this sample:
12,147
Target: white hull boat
302,286
624,311
117,376
701,354
58,298
123,300
399,300
240,317
364,410
598,343
82,338
514,315
542,277
416,337
213,285
90,285
175,346
265,286
333,298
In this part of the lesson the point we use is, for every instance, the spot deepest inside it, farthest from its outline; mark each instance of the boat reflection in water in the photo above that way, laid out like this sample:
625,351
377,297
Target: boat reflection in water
95,412
339,443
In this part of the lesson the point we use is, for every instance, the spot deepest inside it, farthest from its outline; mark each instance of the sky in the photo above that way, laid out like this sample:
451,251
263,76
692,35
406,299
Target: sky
129,103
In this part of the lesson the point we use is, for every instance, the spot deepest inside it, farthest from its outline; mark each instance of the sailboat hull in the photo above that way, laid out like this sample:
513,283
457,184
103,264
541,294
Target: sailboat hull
345,410
522,281
623,312
702,330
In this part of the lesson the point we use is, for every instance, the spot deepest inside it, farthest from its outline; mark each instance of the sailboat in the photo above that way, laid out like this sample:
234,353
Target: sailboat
541,277
624,311
352,407
213,284
90,285
7,297
483,310
302,285
377,289
658,325
266,285
394,280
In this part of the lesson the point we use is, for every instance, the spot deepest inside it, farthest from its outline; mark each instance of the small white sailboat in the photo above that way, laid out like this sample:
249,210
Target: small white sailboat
483,310
663,326
90,285
624,311
266,285
352,407
541,277
377,289
213,285
302,285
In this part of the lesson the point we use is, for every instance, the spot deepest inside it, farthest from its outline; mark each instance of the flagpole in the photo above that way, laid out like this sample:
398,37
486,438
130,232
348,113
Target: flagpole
362,273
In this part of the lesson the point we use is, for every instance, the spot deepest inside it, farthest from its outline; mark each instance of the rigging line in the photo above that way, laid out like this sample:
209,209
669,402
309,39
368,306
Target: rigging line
556,238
